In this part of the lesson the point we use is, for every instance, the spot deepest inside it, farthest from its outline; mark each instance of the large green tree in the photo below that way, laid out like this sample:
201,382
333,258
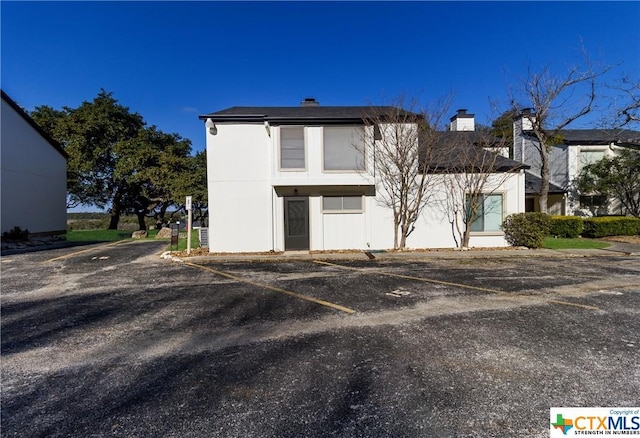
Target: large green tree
616,178
193,183
150,164
116,161
92,134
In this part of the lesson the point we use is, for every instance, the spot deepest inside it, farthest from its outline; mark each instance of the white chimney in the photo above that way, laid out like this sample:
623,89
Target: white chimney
525,119
309,101
462,121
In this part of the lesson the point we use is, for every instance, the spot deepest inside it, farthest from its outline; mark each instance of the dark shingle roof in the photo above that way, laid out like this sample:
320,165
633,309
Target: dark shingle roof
304,114
618,136
533,183
470,158
622,137
463,151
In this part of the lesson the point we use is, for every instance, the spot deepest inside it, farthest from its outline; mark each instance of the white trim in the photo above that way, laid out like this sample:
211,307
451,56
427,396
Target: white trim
304,147
343,211
502,194
364,151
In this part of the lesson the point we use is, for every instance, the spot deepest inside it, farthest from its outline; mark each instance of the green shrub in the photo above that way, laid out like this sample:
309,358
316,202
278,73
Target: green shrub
611,226
526,229
16,233
566,226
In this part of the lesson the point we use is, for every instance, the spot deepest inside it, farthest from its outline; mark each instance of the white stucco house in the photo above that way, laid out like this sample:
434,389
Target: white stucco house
576,148
33,174
290,178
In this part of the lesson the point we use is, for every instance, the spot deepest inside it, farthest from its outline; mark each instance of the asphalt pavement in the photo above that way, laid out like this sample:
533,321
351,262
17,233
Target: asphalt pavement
116,341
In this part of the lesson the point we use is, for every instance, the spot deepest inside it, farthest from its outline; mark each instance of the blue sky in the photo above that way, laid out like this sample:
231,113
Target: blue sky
171,61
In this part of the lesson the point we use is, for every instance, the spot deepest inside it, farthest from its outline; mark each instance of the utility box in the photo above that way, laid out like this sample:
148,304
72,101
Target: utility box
175,232
203,235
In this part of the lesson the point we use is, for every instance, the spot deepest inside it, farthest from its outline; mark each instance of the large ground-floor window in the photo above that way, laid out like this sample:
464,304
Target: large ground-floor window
490,214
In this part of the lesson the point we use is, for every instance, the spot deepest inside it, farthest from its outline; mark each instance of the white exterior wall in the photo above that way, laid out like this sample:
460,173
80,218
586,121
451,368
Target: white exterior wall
434,230
314,174
344,231
33,178
247,190
247,214
240,205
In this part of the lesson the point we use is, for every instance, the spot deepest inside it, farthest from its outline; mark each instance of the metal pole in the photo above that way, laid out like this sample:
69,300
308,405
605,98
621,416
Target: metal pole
189,233
189,217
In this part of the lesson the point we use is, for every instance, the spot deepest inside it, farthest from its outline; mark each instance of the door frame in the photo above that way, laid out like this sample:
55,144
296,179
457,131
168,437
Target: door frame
296,243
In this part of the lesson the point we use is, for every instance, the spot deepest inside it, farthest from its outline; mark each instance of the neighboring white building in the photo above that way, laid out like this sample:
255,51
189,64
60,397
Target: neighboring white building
576,149
293,178
33,174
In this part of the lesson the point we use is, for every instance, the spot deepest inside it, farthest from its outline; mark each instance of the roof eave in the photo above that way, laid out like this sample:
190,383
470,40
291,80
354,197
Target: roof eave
261,118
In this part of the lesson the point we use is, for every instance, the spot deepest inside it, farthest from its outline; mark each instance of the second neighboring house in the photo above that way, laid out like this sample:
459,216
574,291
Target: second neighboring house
575,149
300,178
33,174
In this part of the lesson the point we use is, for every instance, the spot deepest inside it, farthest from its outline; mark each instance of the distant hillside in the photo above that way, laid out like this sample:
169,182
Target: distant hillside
100,221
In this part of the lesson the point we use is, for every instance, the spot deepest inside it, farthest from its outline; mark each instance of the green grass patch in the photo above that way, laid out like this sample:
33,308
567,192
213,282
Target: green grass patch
97,235
182,241
577,243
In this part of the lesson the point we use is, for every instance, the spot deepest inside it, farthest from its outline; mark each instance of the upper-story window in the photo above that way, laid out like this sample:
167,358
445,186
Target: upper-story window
343,148
589,157
292,148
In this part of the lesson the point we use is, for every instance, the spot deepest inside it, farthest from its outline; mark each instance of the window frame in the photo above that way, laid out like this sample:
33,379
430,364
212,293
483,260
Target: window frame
304,149
484,231
582,163
343,210
355,128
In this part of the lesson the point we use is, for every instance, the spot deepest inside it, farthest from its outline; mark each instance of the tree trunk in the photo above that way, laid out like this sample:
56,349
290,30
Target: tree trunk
163,212
466,236
142,225
396,226
544,177
403,239
115,216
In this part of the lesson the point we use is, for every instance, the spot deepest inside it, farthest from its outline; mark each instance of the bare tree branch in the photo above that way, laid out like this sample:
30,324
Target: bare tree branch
402,144
555,107
471,171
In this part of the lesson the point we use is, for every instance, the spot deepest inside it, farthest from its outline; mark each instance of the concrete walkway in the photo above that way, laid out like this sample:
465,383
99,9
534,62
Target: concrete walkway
626,248
616,248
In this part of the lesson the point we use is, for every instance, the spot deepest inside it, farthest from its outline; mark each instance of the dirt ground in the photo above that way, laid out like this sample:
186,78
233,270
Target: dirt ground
624,239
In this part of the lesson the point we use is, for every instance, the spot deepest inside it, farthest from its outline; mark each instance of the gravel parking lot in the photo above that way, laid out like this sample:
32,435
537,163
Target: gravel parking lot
115,341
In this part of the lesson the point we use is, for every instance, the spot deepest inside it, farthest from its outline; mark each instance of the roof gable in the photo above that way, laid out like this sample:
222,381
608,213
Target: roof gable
33,124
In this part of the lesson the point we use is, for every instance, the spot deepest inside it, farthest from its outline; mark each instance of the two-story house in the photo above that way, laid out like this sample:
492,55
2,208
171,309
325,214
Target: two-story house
304,178
575,149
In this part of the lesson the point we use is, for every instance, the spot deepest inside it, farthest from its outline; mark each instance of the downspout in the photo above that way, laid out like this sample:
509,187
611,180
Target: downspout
522,192
273,222
273,213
